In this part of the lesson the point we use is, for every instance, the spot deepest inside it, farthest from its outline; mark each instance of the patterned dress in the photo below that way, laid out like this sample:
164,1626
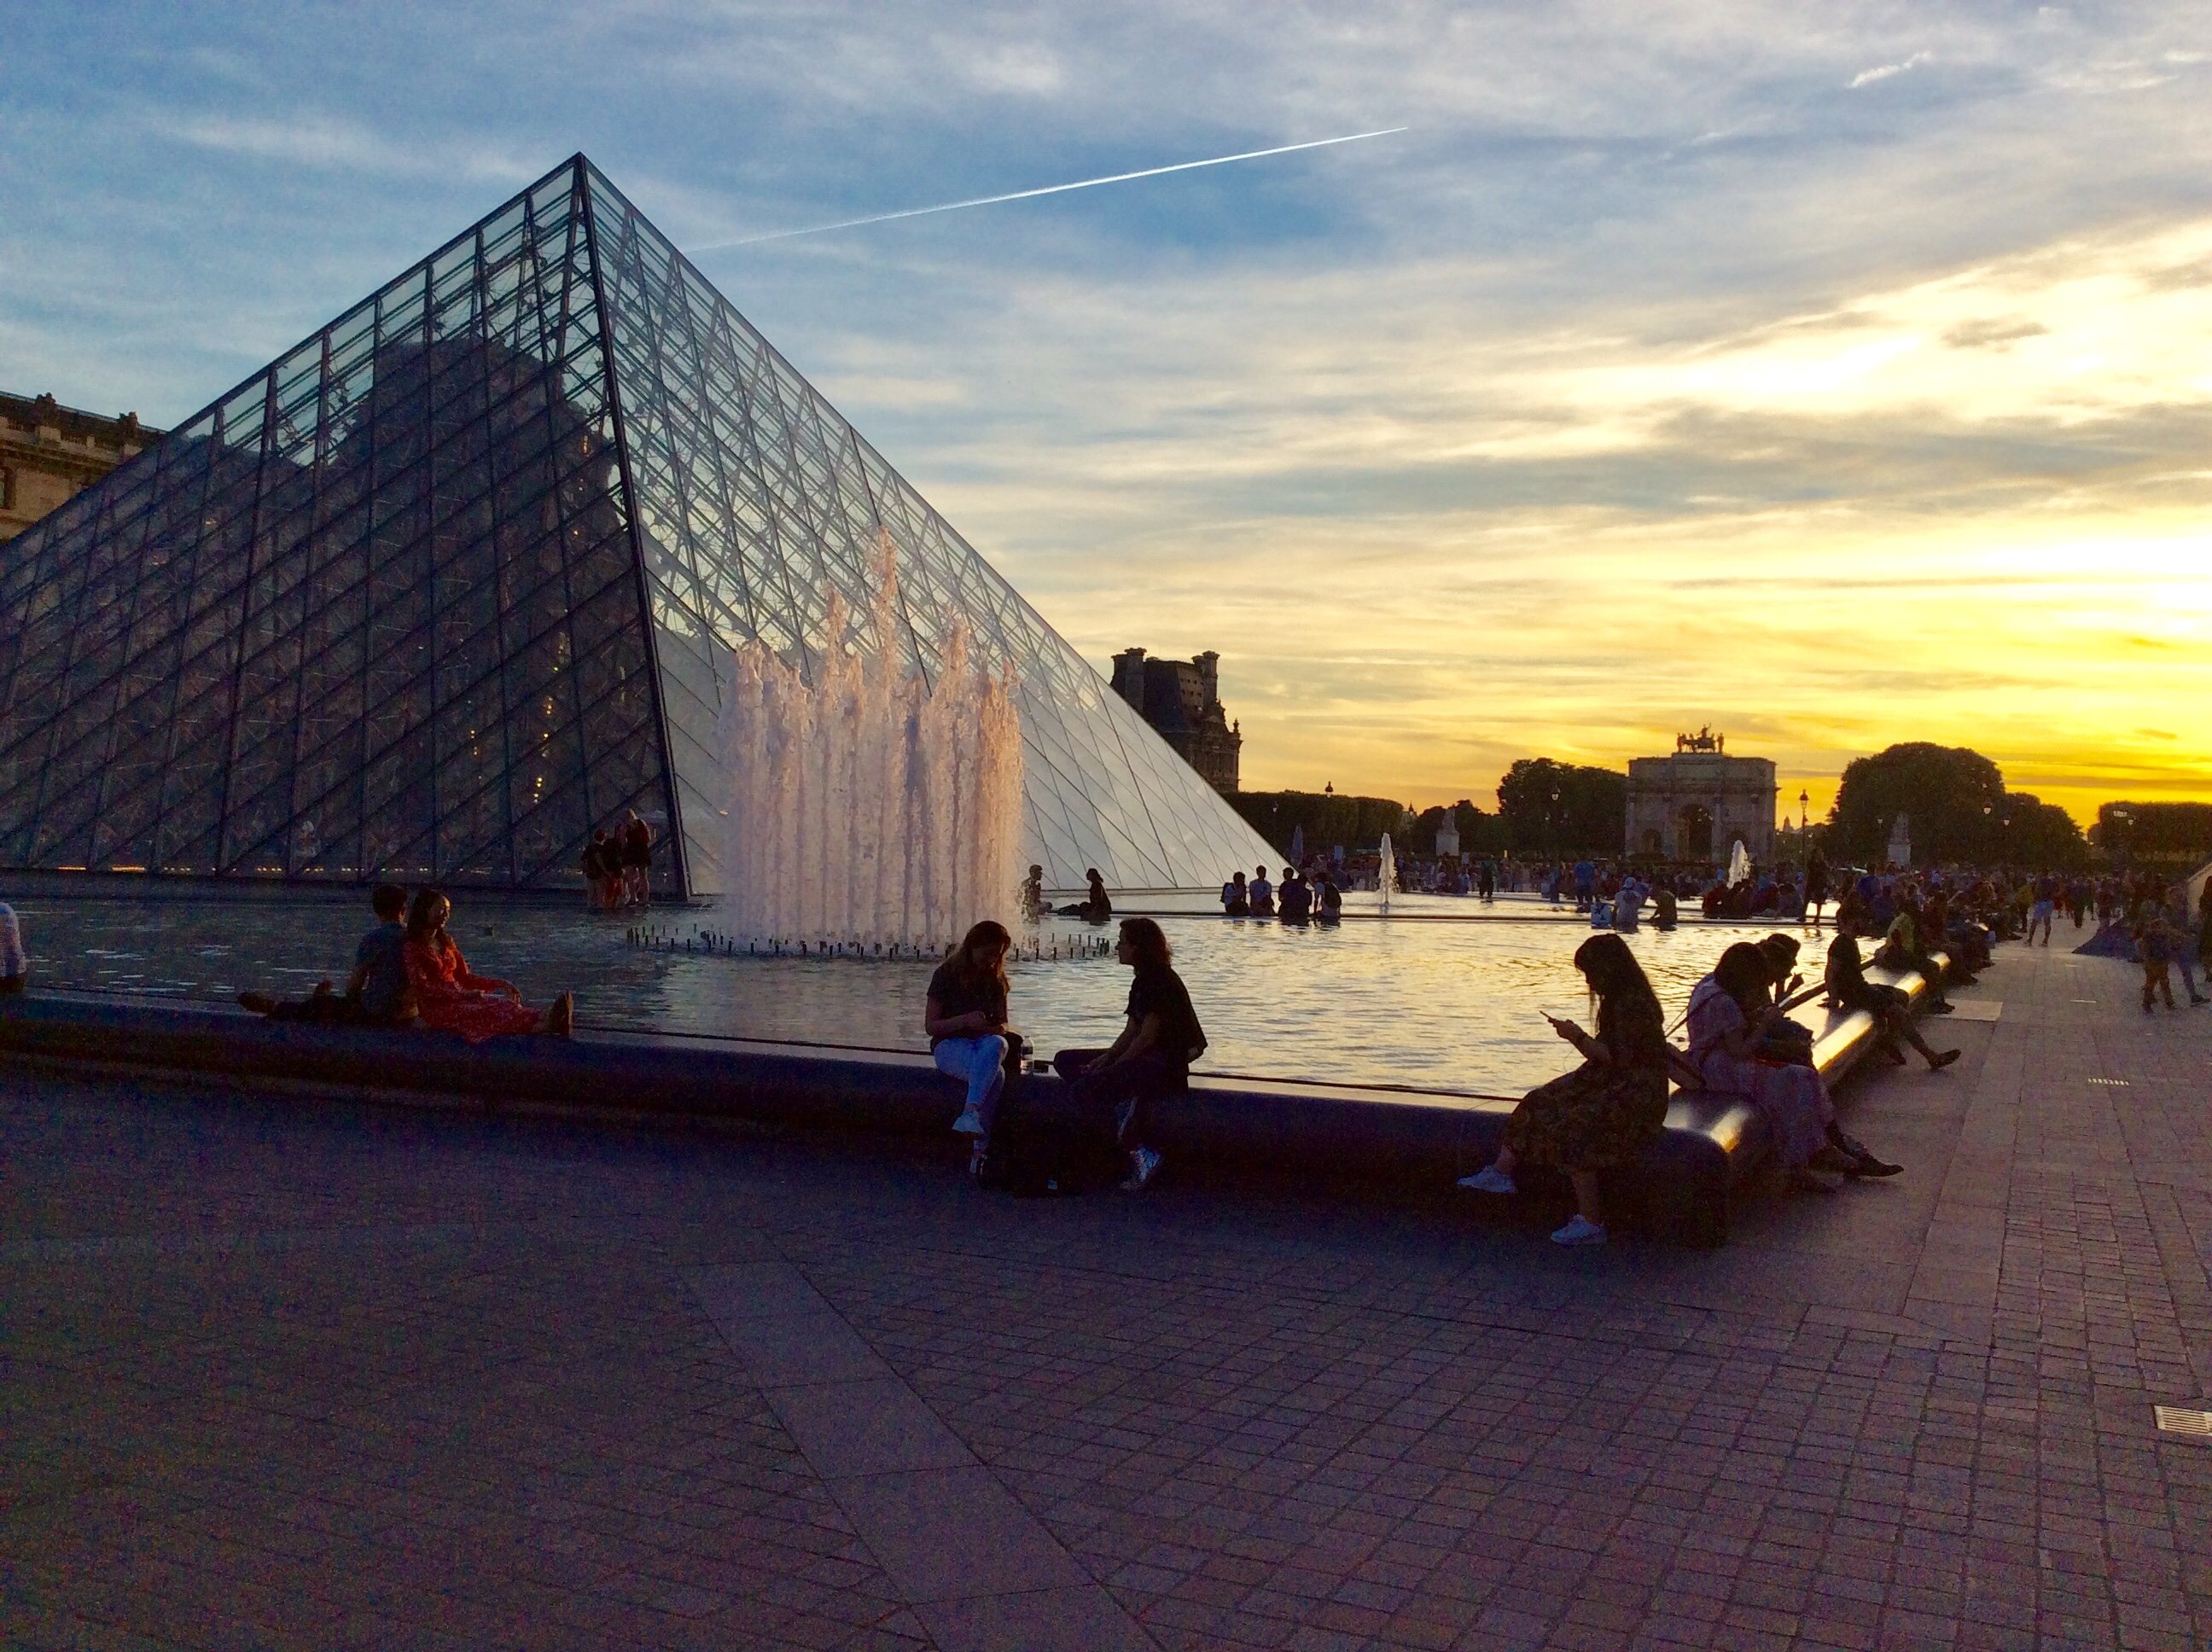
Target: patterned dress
454,1000
1794,1099
1603,1114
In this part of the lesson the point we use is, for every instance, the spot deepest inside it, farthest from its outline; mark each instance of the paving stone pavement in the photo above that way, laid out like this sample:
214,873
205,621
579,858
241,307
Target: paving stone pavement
278,1372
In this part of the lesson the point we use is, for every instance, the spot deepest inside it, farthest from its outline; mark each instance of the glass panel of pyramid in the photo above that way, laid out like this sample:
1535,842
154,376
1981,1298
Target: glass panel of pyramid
457,580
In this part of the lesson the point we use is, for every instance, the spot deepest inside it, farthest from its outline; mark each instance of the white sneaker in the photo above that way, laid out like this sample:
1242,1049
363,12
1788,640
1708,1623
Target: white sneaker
1579,1230
1489,1179
970,1123
1142,1163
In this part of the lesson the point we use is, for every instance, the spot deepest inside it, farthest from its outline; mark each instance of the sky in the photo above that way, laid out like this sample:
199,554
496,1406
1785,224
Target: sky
1830,376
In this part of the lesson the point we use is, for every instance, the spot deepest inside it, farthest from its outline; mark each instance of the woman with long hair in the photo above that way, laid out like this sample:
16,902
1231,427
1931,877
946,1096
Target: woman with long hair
1607,1111
1731,1014
453,999
965,1018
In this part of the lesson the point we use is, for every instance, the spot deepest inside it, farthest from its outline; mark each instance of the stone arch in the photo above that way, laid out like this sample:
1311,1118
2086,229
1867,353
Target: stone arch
1693,833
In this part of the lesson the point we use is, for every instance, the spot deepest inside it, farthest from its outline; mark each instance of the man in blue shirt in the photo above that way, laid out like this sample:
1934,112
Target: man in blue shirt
379,983
379,992
1585,886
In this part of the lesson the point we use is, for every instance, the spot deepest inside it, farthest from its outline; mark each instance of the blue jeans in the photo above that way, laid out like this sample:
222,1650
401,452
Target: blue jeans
982,1063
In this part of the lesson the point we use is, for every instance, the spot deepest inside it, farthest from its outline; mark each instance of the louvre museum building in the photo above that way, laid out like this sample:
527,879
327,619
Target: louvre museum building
458,580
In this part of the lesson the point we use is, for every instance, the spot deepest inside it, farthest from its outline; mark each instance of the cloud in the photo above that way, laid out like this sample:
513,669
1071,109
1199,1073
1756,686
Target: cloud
1868,77
325,141
1992,333
1030,69
1657,375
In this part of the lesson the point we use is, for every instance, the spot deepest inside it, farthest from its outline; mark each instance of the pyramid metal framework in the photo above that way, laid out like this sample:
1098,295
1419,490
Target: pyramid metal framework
456,582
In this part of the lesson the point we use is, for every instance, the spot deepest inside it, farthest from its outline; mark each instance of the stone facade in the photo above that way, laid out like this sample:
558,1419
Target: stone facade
1693,805
50,453
1180,698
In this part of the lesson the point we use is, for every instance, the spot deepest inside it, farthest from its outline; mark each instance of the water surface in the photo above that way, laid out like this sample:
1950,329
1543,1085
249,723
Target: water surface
1446,993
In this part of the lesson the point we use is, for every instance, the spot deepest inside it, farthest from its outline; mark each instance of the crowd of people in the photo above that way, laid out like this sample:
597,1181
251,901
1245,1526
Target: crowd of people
1607,1113
1942,924
1298,899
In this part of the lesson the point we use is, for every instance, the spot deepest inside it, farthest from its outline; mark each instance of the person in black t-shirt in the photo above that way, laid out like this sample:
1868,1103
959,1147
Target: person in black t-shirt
966,1021
1096,905
1151,1059
1849,989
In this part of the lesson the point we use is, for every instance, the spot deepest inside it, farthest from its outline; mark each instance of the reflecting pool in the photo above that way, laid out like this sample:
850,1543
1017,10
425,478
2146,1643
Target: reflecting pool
1446,993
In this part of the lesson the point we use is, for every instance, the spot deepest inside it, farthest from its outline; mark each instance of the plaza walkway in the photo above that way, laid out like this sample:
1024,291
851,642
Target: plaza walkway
286,1373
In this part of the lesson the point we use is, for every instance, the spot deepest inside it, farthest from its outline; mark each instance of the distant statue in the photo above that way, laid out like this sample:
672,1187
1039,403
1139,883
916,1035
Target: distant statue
1900,841
1704,740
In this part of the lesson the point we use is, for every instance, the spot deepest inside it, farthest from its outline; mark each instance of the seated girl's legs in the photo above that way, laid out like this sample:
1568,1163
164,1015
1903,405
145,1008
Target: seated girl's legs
1798,1113
980,1064
987,1079
1120,1096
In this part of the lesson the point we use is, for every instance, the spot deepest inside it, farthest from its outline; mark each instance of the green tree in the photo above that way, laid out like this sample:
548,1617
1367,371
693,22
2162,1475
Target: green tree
1555,808
2033,833
1480,832
2173,833
1327,819
1949,794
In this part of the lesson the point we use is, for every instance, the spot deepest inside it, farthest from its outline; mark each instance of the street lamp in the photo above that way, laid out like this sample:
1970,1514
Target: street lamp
1804,811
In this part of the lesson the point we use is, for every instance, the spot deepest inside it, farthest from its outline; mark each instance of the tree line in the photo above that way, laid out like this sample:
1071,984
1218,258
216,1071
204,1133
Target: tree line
1954,798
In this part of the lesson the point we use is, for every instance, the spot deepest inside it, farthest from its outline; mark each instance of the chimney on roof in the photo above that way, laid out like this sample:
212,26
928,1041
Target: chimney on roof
1129,676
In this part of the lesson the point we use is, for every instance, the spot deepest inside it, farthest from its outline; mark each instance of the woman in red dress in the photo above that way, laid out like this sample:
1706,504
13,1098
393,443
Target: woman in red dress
454,1000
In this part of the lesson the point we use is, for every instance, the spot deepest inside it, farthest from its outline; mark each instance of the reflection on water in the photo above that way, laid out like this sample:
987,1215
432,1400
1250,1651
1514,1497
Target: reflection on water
1443,1004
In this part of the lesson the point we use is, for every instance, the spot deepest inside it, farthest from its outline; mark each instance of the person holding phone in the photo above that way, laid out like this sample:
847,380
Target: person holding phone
1731,1014
1604,1113
965,1016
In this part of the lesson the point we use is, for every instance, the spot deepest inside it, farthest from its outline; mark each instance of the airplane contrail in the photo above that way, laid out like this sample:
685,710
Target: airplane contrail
1049,189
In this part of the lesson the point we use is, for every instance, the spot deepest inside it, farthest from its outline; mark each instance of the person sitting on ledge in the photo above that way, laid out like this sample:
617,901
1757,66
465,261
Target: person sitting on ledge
1786,1041
1235,903
1903,947
1151,1059
15,966
1731,1015
377,995
1033,892
1330,909
452,999
1294,899
1604,1114
964,1016
1095,905
1849,989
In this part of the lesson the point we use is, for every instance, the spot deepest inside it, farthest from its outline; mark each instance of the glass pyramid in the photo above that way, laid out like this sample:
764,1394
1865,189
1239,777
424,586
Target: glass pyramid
456,582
